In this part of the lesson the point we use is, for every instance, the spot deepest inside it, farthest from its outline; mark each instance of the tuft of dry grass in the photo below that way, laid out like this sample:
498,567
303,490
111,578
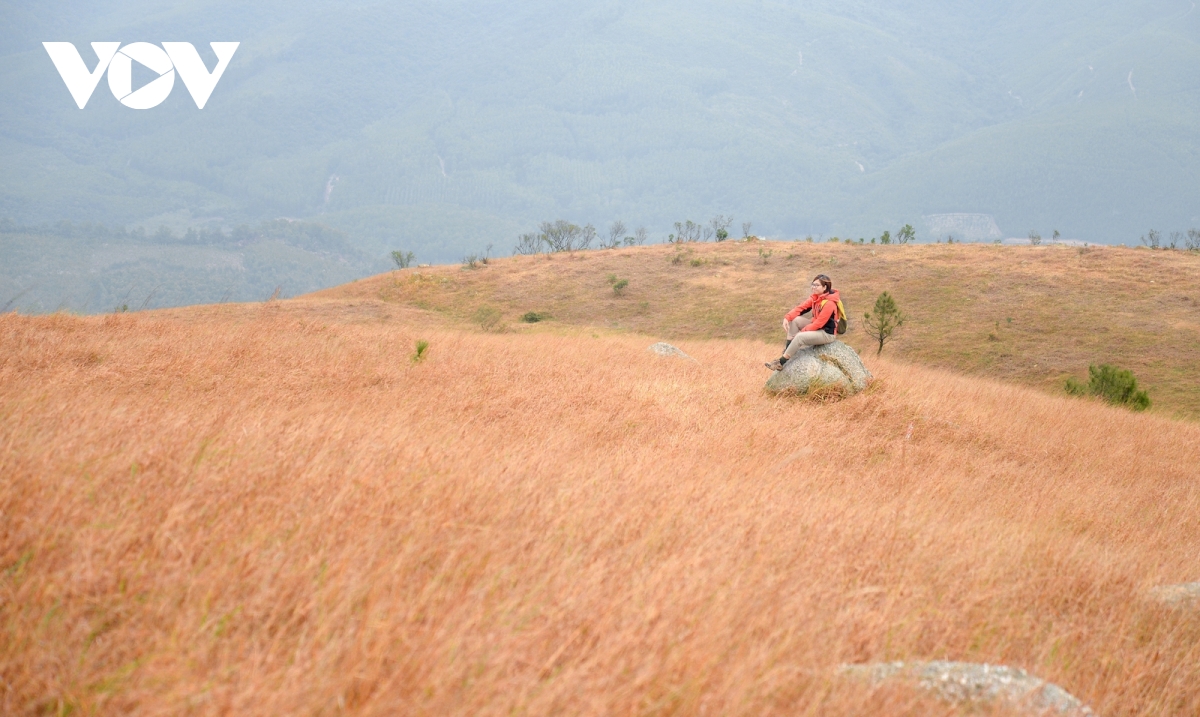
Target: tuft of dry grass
271,510
1031,315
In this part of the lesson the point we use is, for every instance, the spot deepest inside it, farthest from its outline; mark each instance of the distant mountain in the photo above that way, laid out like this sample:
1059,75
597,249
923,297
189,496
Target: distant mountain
442,127
96,269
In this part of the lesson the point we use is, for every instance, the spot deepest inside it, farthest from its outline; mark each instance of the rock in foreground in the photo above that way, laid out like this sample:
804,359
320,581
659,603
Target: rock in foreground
1185,595
974,685
664,349
833,367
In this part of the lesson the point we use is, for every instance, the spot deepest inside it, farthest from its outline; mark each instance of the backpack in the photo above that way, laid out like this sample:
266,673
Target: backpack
841,318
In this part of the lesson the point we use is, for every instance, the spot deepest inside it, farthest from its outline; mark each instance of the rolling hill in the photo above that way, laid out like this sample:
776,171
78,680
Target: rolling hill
1033,315
271,507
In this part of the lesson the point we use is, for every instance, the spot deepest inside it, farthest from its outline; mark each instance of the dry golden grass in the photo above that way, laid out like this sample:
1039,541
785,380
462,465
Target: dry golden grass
271,510
1069,307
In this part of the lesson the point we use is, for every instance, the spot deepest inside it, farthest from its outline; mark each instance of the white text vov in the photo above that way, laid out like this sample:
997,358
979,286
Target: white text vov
118,60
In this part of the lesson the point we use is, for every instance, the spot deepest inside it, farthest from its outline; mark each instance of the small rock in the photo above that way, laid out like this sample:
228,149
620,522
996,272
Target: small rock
1183,595
832,366
964,683
663,349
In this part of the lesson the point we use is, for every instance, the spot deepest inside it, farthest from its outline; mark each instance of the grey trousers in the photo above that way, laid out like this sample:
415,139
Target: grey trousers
799,339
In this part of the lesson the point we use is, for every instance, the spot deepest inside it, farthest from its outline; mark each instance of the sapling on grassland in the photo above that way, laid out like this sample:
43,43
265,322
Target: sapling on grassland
403,259
561,235
689,231
488,317
720,226
615,233
1192,242
883,320
419,354
528,244
1115,385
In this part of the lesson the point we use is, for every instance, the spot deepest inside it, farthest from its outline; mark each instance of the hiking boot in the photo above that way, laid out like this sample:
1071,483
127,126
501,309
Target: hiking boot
777,364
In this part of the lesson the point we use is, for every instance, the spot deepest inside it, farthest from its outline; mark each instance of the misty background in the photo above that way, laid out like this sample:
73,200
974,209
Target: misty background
342,131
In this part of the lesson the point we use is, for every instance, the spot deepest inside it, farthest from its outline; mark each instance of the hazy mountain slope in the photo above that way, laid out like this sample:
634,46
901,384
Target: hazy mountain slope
1107,114
89,268
1052,174
446,126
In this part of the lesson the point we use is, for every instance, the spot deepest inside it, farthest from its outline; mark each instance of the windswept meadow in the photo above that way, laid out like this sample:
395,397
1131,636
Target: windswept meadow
1030,315
276,508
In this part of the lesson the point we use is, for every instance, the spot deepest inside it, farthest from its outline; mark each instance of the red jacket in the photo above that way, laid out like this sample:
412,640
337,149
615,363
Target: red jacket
824,312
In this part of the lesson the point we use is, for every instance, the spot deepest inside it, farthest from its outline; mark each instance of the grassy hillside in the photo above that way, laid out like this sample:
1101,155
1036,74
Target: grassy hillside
270,509
1033,315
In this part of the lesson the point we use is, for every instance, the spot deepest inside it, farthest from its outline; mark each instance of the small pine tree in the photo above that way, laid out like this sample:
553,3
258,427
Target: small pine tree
883,320
419,354
1115,385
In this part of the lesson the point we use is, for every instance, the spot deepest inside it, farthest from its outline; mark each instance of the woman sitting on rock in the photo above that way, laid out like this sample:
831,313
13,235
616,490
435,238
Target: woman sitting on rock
820,330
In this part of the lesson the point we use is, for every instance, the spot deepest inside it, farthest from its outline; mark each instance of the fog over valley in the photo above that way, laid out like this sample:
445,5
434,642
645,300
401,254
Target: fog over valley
443,128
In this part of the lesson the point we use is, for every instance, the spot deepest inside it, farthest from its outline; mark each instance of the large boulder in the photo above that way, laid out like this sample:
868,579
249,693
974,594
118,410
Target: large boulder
834,367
